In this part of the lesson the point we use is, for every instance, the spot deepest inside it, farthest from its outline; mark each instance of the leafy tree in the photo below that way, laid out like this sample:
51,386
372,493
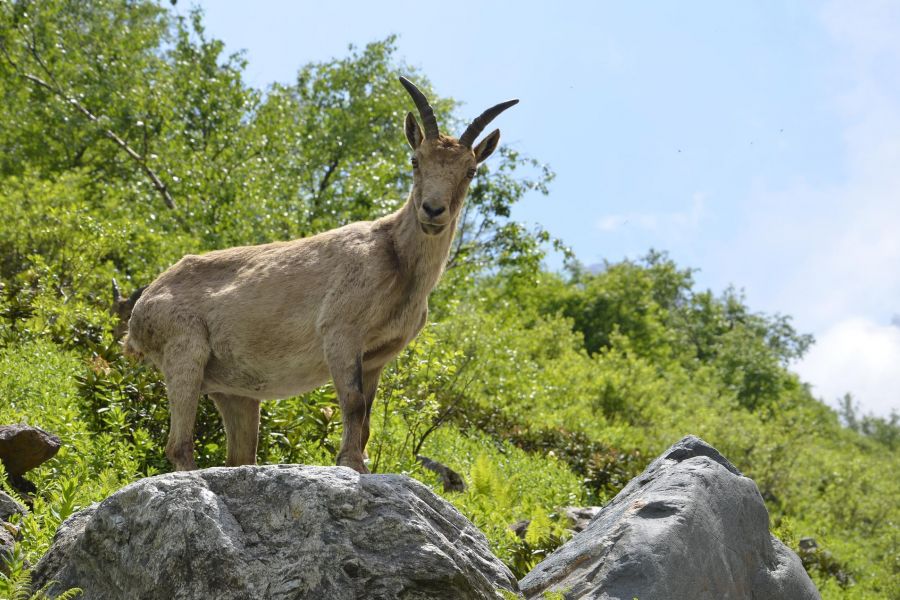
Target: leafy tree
884,431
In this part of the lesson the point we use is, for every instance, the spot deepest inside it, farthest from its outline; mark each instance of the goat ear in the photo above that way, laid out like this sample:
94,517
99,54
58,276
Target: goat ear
414,133
487,146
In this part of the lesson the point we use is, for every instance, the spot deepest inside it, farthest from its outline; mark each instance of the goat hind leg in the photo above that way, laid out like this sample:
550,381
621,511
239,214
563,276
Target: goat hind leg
240,416
183,369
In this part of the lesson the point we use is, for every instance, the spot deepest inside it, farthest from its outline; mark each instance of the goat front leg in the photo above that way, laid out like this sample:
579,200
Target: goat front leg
371,378
373,364
346,366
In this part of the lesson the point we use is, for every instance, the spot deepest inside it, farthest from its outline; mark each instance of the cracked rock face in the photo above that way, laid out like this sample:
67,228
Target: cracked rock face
273,532
690,527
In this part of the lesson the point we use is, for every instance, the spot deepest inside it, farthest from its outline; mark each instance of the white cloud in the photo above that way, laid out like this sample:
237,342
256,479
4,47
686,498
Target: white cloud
657,222
860,357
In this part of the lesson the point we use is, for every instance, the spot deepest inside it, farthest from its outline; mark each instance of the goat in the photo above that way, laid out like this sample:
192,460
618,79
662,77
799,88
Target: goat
252,323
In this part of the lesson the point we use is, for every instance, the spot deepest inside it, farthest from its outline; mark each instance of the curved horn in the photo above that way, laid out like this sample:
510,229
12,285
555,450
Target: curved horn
425,110
478,125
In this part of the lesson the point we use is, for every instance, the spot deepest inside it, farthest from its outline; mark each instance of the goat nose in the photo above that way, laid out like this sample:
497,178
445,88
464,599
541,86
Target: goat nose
431,211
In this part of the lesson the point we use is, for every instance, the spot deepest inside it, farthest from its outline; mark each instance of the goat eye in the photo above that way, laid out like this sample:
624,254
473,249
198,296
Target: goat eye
415,162
470,173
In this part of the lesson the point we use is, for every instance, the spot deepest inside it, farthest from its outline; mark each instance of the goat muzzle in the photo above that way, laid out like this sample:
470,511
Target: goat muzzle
432,228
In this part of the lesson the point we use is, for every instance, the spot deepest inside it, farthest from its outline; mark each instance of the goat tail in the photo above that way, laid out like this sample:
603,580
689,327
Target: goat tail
122,308
131,350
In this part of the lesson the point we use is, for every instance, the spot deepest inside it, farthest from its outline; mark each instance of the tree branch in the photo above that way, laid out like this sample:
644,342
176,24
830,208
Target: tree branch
329,171
58,91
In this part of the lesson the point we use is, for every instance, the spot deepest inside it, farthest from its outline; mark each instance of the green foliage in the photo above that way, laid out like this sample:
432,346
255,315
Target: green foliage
543,390
17,585
883,431
38,385
506,485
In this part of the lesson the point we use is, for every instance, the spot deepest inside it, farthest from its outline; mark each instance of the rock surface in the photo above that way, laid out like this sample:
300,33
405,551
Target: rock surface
6,547
23,448
690,527
9,507
273,532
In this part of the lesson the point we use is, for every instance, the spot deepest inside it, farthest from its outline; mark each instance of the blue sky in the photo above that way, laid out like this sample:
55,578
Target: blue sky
757,142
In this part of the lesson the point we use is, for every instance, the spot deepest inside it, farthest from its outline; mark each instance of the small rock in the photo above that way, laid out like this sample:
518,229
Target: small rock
580,516
808,544
520,528
6,547
23,448
9,507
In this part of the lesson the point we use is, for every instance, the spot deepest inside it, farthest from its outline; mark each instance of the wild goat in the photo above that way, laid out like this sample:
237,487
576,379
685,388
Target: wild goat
271,321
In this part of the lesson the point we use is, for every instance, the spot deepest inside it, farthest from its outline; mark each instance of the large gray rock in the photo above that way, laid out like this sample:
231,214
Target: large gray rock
690,527
273,532
23,448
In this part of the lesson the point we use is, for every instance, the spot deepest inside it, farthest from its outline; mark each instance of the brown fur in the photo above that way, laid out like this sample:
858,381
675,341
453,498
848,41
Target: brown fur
262,322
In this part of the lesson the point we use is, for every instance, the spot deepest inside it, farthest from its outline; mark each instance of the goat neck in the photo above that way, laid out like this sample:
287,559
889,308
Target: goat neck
419,255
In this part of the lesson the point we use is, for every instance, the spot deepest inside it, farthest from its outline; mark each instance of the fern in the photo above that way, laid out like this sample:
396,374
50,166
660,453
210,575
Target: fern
66,500
17,584
483,475
6,487
539,529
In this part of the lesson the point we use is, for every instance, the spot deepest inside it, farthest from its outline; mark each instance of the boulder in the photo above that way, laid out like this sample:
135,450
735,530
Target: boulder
690,527
9,507
273,532
23,448
8,532
6,547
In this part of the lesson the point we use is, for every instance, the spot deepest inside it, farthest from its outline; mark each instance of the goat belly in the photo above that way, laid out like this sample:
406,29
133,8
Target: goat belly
294,377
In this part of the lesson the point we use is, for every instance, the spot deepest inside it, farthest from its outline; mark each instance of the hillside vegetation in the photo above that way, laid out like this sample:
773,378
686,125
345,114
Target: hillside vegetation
128,139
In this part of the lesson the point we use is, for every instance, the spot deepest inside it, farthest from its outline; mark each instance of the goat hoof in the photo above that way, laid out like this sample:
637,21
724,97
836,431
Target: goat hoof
182,456
356,465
